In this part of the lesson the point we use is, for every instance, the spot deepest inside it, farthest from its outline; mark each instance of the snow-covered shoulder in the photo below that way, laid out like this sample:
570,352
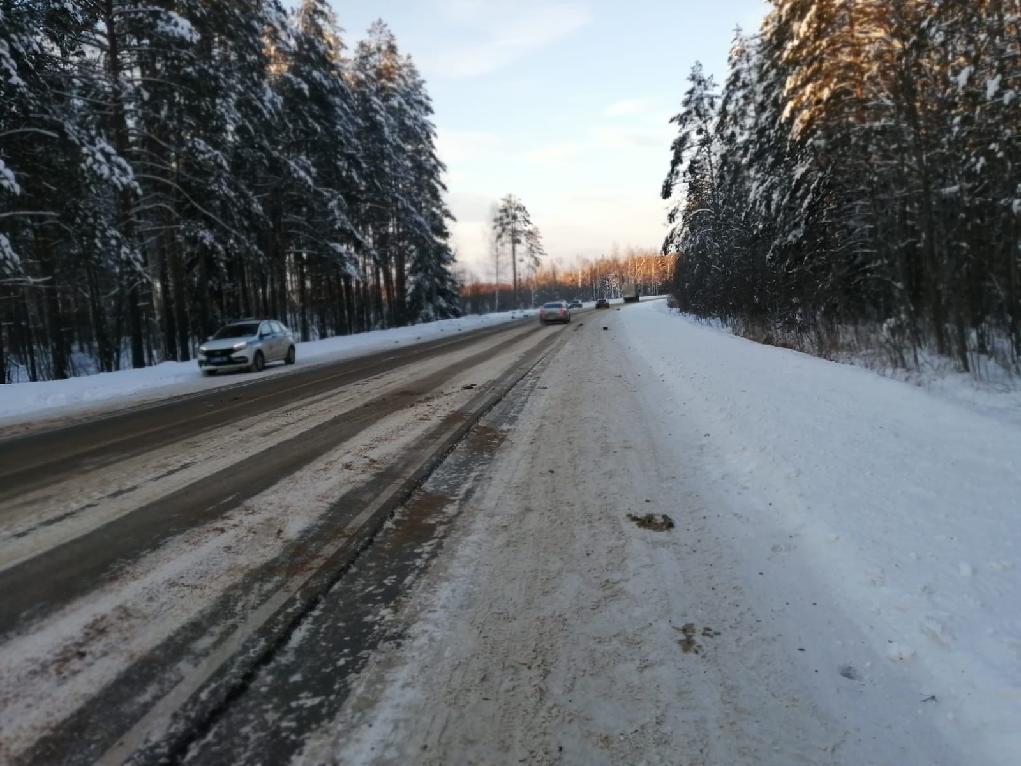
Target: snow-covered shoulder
994,394
900,502
20,402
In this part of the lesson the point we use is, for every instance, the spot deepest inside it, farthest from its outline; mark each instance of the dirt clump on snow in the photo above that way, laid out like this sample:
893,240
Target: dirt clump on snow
485,440
688,644
657,522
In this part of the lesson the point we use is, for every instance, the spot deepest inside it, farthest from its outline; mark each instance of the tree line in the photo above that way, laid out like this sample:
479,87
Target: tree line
170,165
586,279
857,175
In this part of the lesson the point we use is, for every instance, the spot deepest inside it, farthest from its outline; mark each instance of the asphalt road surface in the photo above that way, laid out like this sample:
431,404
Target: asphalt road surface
152,560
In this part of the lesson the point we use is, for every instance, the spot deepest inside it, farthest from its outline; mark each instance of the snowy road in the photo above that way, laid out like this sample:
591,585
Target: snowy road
840,585
77,500
759,629
149,558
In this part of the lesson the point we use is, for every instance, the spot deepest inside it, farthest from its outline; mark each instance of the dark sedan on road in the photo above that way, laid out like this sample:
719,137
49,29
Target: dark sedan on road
602,303
248,344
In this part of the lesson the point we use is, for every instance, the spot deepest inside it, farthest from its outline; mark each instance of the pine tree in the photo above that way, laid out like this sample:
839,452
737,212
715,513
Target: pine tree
314,168
513,226
691,183
17,47
860,171
433,293
167,166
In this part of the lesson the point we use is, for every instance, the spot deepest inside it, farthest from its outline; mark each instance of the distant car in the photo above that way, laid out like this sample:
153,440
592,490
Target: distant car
554,311
248,344
574,305
602,303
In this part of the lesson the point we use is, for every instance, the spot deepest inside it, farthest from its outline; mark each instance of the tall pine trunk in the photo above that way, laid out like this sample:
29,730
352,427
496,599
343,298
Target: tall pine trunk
119,130
302,297
167,305
54,316
181,304
400,288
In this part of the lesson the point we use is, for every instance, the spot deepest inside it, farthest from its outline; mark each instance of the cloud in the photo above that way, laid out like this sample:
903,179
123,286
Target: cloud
462,11
751,22
458,146
598,140
470,208
626,107
504,38
614,137
470,242
564,151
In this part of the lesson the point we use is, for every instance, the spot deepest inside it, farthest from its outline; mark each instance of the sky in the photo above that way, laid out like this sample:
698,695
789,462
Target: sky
564,104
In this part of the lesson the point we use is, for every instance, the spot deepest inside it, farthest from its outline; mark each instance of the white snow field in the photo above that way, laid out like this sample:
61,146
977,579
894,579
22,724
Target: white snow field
905,505
26,400
842,585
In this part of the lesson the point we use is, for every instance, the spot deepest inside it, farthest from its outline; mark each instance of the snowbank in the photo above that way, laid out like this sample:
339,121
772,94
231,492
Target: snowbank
904,504
22,401
988,387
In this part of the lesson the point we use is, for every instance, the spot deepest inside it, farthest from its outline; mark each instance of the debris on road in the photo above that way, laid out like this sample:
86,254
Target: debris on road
657,522
688,644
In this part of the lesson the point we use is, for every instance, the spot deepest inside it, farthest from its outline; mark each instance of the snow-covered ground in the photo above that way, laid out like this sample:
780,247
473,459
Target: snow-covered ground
989,386
842,586
25,400
904,502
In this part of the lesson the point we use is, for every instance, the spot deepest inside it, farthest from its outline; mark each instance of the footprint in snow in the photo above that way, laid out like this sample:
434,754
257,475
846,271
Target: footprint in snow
849,672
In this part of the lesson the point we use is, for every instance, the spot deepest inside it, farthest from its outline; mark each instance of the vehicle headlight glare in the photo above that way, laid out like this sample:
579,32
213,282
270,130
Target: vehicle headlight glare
241,345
